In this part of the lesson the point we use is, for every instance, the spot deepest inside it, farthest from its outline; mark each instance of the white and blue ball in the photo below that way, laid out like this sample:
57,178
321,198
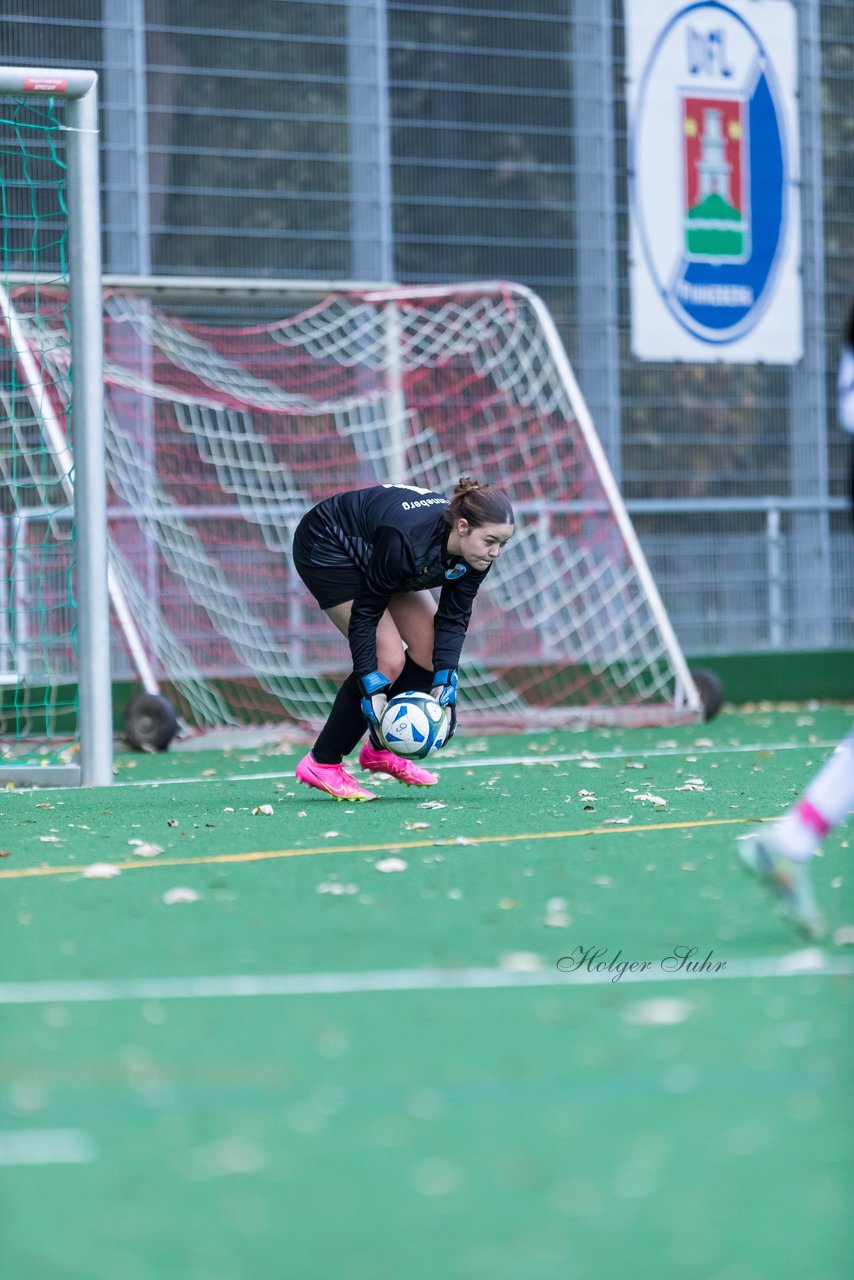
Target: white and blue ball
413,725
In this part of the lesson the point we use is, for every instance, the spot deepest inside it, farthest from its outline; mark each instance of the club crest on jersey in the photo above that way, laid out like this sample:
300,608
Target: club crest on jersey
455,571
710,186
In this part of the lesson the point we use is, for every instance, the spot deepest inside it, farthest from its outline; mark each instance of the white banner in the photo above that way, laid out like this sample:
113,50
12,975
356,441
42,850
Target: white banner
713,179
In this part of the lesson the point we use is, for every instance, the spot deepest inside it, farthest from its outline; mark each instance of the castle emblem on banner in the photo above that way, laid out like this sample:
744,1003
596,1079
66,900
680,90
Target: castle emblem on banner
715,182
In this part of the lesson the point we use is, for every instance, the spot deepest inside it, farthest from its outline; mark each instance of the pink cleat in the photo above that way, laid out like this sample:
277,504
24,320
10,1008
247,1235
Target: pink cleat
331,778
397,766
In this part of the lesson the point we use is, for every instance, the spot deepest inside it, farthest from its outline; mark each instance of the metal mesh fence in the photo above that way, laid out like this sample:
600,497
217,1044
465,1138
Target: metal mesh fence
490,141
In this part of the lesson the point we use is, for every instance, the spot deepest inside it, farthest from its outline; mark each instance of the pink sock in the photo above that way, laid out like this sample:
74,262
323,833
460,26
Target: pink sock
826,802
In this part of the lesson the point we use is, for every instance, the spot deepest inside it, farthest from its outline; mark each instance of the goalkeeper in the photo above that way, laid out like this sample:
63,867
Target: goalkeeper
370,558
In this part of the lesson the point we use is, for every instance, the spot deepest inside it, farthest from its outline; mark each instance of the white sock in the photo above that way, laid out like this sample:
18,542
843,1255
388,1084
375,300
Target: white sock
825,802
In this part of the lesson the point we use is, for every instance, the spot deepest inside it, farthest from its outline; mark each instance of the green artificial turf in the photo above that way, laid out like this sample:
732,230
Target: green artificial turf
552,1131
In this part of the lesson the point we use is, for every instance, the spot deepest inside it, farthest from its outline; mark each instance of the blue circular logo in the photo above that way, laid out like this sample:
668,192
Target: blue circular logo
708,172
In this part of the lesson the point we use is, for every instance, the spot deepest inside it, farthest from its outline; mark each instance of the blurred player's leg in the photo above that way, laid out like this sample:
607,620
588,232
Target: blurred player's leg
780,856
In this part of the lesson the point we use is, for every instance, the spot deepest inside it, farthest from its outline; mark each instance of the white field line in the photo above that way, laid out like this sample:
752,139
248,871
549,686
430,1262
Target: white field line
811,961
480,762
45,1146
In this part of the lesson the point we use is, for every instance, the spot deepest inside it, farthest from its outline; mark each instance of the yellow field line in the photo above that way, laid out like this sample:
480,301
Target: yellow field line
396,846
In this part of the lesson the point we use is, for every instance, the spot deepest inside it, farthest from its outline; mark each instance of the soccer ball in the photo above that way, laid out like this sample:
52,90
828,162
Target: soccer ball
413,725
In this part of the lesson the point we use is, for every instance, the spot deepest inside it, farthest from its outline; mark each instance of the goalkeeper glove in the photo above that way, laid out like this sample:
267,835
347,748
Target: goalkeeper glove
445,692
375,689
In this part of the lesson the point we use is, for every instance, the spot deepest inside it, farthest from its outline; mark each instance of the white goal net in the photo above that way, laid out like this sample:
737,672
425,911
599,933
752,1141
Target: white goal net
220,435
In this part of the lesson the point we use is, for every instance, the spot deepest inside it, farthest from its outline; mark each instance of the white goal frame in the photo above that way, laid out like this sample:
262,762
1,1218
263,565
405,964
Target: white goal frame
153,287
173,652
78,89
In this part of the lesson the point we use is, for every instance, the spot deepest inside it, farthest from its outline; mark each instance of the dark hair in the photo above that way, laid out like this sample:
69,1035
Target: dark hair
479,504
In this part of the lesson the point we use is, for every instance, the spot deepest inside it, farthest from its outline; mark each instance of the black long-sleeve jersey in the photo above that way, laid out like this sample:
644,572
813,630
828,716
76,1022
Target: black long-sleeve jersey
396,537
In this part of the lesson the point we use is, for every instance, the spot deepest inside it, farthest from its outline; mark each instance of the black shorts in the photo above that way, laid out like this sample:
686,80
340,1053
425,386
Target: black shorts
321,563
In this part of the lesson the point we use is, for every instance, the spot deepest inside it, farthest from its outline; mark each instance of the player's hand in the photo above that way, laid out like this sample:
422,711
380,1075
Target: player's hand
445,692
375,687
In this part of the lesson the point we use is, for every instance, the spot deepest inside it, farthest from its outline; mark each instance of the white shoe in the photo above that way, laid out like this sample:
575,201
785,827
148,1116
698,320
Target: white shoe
787,878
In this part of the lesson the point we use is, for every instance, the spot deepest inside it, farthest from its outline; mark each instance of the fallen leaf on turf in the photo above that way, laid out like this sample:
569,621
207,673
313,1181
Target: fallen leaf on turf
589,764
667,1011
265,809
432,804
101,871
844,935
615,822
416,826
5,853
143,849
179,894
390,864
557,914
657,802
171,822
50,839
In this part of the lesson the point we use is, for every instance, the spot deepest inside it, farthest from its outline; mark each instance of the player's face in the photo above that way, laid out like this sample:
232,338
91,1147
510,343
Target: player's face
481,545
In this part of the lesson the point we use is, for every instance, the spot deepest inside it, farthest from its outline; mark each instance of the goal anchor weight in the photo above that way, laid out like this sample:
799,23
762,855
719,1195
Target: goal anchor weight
150,722
711,690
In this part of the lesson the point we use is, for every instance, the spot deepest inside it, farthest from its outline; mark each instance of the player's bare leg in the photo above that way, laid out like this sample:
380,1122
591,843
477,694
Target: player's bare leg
780,856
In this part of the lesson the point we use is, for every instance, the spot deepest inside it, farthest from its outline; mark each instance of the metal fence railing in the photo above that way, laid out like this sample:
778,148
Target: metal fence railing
726,573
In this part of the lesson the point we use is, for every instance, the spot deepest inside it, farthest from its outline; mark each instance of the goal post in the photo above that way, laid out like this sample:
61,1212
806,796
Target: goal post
50,128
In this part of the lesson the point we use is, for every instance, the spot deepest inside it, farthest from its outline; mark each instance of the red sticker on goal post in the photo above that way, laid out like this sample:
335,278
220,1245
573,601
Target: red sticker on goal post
45,84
